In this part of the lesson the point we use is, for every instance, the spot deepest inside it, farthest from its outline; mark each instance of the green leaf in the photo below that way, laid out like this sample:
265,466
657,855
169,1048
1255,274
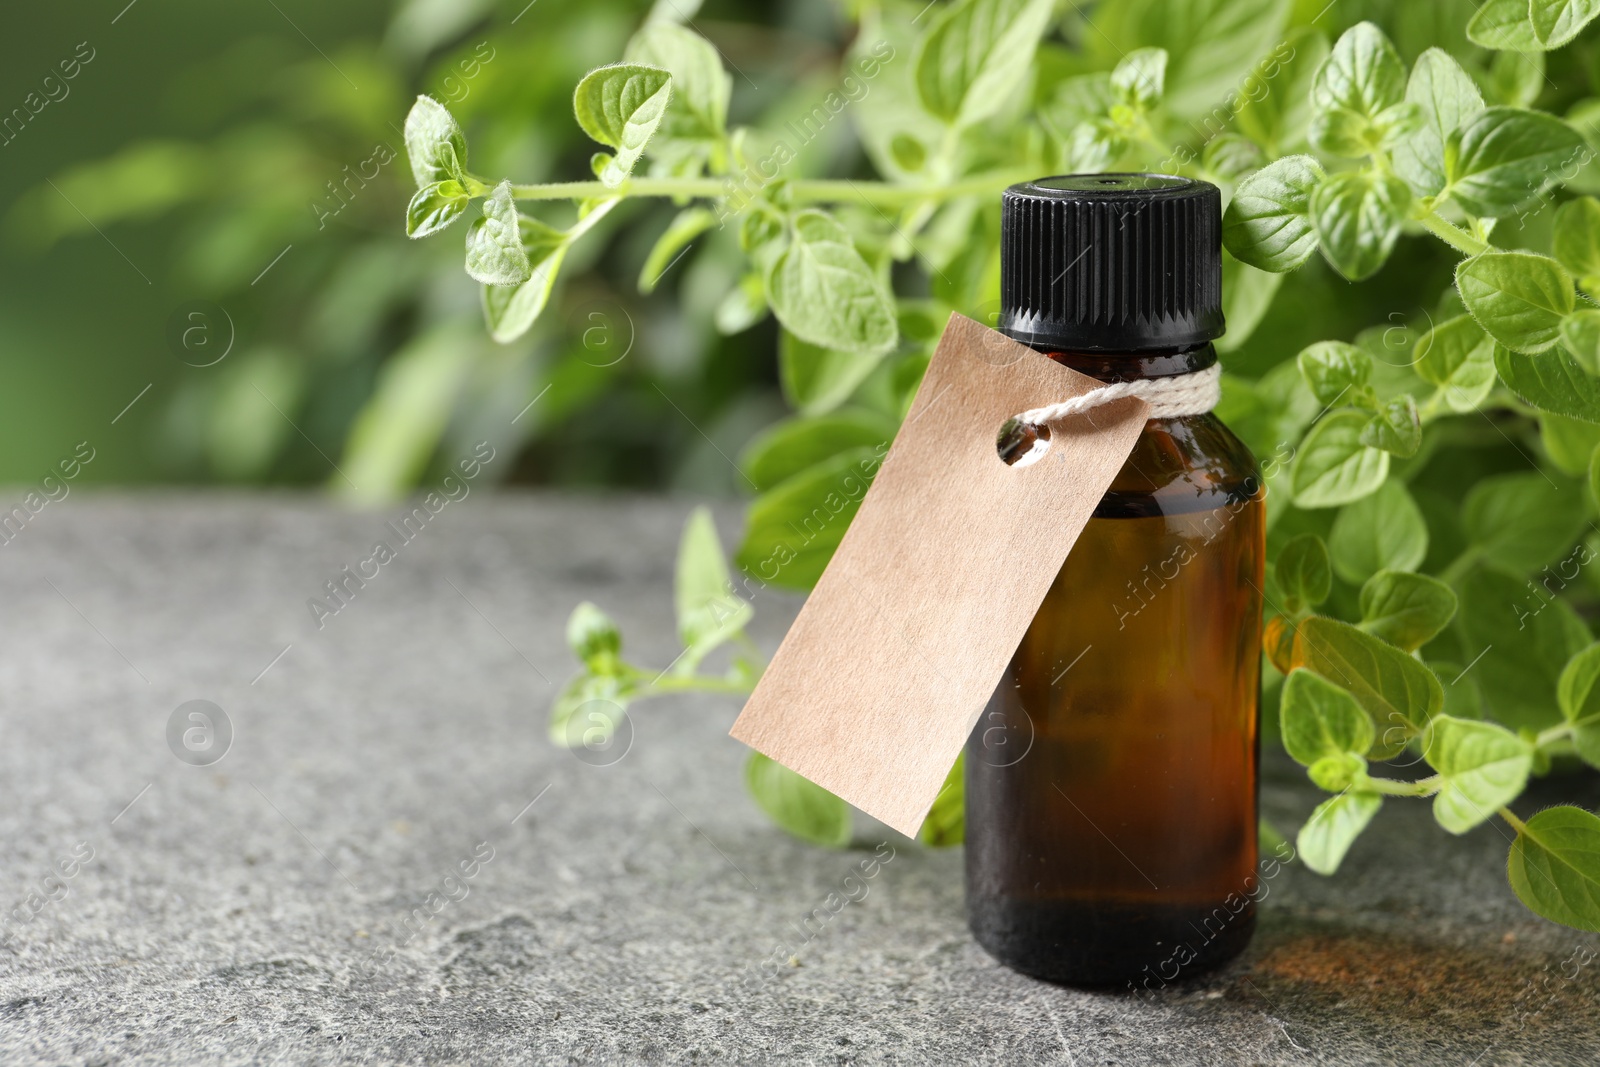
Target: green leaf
1337,773
1333,828
434,143
1363,74
1229,157
1396,428
1407,610
511,310
594,638
791,531
1503,24
1383,531
709,611
1268,223
1333,467
588,710
796,804
1357,216
1518,638
1247,295
1398,692
1219,50
434,207
743,306
946,824
621,106
977,55
1279,117
1502,156
1580,336
1458,357
1523,521
1557,22
1335,371
1579,697
1551,381
1140,78
495,255
701,88
690,224
1519,298
1515,78
1576,240
1447,96
797,444
825,293
1571,443
1554,866
1320,719
1302,572
1481,766
817,380
1594,475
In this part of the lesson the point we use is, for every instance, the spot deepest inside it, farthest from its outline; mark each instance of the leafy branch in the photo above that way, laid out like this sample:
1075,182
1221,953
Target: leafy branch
1483,668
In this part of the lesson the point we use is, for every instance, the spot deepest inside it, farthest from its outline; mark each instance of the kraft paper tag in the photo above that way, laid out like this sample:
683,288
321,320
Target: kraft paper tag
883,675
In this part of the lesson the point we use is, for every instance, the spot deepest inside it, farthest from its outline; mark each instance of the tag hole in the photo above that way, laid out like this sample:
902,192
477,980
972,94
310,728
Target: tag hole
1022,443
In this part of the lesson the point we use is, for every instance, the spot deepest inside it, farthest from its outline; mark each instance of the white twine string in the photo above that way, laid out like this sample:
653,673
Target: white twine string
1182,394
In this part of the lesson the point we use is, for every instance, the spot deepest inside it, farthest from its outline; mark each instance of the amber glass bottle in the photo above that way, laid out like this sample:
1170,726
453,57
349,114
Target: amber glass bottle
1111,781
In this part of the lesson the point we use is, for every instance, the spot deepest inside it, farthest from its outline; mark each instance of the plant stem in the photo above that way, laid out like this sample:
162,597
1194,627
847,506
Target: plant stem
1453,235
693,684
1390,787
1552,735
808,191
1516,823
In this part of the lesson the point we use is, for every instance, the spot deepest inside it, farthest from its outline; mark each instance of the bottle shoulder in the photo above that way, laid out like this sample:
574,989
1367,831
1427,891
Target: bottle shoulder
1180,465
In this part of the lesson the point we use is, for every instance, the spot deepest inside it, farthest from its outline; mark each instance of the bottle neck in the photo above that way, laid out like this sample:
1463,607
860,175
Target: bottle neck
1130,366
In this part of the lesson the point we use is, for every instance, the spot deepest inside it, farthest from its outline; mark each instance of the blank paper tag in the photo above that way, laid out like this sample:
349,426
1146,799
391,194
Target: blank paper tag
899,647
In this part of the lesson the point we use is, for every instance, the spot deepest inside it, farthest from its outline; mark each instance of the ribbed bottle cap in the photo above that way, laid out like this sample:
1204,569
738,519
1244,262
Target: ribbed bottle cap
1111,262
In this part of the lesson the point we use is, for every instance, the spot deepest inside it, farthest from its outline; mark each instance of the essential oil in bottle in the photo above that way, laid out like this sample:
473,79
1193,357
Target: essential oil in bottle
1111,781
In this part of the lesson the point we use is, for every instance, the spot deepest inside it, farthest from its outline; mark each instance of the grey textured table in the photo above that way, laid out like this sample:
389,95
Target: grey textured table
274,907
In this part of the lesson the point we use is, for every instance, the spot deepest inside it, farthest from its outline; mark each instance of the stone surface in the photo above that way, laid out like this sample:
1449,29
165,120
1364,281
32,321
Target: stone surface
274,907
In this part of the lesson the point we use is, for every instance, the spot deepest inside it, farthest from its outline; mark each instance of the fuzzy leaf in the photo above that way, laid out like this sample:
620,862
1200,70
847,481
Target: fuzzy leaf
1557,22
826,294
1327,836
701,88
1551,381
1519,298
1407,610
1482,767
434,143
436,206
621,106
1268,223
1357,217
1457,356
1447,96
1320,719
1554,866
1333,467
1503,156
1398,692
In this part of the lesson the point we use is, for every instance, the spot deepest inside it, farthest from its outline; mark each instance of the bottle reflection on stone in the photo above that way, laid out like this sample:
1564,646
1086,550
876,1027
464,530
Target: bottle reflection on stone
1111,781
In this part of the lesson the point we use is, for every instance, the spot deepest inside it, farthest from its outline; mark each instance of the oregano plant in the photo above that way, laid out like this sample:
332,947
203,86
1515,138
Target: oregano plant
1429,621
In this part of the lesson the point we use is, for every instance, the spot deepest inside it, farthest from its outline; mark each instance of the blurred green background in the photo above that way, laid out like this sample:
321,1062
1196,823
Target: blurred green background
224,154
